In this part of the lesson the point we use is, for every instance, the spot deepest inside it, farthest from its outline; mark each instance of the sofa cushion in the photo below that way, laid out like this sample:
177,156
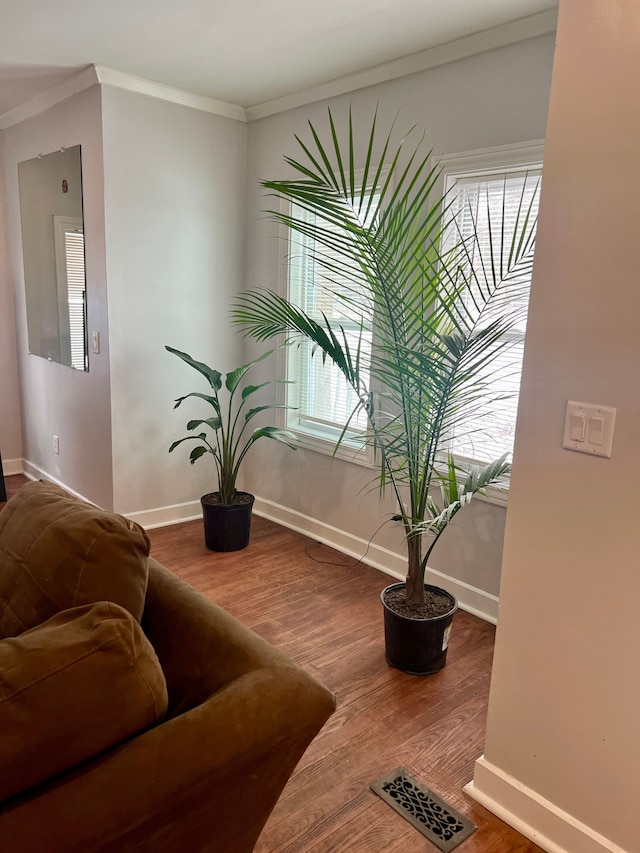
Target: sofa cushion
80,683
57,551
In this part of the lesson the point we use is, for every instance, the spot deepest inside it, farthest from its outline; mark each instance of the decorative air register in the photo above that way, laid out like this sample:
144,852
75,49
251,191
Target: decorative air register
426,811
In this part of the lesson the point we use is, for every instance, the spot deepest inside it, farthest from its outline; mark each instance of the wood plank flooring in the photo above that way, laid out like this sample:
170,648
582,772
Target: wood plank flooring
328,619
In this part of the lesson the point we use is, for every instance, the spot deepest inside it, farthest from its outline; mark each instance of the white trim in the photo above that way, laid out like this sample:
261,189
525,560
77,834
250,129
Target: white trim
78,82
523,29
470,598
33,472
101,75
163,516
513,32
308,440
497,158
158,517
532,815
497,494
12,466
142,86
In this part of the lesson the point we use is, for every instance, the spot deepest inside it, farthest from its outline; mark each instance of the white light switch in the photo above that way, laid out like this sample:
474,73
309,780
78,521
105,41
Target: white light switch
578,427
588,428
95,341
596,430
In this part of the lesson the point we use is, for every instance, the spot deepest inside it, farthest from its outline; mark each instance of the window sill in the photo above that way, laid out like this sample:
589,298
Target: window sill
496,494
349,451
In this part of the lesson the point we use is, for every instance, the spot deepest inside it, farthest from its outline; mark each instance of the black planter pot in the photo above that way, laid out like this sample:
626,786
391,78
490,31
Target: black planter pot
417,646
227,526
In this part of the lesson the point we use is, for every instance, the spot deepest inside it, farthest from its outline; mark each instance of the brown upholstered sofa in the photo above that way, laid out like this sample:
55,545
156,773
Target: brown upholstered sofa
134,713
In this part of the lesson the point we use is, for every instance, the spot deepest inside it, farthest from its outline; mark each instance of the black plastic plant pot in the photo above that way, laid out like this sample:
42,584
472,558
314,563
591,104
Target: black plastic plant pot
417,646
227,527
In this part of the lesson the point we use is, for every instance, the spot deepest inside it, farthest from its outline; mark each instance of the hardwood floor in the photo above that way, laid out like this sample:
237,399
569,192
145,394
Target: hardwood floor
328,619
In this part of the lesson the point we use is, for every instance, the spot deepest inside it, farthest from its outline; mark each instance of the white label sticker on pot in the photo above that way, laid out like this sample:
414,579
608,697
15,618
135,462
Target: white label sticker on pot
445,639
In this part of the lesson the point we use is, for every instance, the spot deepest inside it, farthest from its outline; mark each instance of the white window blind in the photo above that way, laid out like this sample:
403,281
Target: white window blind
320,393
477,198
70,277
322,398
76,295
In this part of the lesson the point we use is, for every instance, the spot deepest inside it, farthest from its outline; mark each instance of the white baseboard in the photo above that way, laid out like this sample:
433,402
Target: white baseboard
532,815
33,472
471,599
12,466
163,516
157,517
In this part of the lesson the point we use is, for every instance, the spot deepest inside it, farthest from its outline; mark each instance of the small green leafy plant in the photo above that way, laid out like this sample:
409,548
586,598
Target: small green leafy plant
230,442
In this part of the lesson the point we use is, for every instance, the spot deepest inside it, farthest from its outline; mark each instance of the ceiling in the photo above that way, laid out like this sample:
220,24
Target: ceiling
243,52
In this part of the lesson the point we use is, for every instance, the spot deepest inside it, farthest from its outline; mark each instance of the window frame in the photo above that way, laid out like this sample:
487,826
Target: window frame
476,163
354,447
502,158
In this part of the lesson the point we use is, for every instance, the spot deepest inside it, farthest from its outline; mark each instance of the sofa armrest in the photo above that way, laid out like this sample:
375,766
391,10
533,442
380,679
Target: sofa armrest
205,780
201,647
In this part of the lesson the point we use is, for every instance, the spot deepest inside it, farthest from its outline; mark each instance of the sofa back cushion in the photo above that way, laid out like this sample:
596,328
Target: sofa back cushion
82,682
57,551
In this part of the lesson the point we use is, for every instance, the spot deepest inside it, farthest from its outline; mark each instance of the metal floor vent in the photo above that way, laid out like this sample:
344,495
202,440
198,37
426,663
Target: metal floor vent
436,820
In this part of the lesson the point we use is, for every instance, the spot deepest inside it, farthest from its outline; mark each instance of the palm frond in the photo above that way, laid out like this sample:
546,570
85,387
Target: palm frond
442,304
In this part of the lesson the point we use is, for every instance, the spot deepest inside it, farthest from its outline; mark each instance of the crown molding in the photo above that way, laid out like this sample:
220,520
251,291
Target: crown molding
78,82
99,74
516,31
142,86
523,29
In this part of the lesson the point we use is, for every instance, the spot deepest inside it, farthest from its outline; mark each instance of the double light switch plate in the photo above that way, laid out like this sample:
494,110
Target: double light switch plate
588,428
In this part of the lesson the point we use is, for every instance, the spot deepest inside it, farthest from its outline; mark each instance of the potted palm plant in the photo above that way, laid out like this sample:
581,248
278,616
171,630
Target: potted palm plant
441,307
227,511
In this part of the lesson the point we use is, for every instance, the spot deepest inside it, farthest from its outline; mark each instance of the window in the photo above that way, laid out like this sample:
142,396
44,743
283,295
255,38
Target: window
321,400
70,274
479,183
320,396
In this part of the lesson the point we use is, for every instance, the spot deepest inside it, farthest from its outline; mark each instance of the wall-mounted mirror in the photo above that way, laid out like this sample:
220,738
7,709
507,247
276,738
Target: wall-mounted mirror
53,250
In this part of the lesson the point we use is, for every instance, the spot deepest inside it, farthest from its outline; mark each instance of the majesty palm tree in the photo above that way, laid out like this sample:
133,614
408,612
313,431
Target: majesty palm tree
440,302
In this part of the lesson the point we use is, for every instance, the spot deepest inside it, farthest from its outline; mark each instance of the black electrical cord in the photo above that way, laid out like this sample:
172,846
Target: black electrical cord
360,559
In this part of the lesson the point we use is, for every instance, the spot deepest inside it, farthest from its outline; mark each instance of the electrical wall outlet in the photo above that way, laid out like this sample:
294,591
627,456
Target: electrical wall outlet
56,444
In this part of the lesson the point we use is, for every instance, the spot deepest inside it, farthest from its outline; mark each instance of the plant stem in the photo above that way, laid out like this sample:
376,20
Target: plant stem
415,575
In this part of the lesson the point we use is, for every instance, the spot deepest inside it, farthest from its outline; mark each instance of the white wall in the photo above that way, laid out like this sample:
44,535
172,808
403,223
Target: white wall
10,426
164,224
174,210
562,756
495,98
56,399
